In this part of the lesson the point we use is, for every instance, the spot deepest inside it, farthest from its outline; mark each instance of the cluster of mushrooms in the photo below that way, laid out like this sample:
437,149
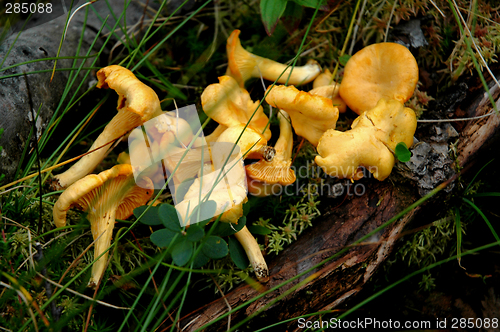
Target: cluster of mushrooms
377,81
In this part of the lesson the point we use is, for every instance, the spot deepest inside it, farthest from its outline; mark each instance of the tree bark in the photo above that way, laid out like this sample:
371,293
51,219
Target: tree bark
342,277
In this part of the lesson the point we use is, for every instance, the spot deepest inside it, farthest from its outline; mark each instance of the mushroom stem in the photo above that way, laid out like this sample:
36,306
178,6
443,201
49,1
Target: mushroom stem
111,194
264,174
230,105
137,103
244,65
102,230
254,254
88,162
284,144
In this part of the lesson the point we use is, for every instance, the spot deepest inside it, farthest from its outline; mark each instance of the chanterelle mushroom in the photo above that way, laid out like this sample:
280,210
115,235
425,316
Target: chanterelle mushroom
244,65
370,142
229,105
324,86
384,70
254,254
137,103
108,195
225,184
276,171
311,115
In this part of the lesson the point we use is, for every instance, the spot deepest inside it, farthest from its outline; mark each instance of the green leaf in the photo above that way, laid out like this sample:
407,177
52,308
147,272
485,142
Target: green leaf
200,260
271,11
195,233
151,217
313,4
226,228
238,254
206,209
259,230
458,225
402,152
182,252
168,216
163,237
182,189
292,16
215,247
343,59
246,208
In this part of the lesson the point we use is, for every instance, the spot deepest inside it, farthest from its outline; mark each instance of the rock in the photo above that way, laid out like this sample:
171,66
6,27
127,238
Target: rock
41,42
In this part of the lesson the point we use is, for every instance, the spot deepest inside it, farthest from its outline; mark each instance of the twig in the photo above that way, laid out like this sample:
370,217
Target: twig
460,119
356,28
74,12
56,311
74,137
437,8
389,22
14,188
58,165
475,45
78,258
306,52
83,295
225,300
91,307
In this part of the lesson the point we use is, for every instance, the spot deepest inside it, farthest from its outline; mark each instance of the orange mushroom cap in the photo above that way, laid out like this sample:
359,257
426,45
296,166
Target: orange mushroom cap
370,143
324,86
384,70
105,196
230,105
137,103
311,115
277,170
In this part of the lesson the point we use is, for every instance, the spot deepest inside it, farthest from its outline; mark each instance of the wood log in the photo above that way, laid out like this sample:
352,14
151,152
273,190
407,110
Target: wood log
342,277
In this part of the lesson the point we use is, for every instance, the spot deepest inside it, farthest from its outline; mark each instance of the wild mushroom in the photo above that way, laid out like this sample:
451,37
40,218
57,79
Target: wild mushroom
311,115
252,144
177,127
108,195
323,79
243,65
254,254
226,186
157,143
137,103
276,171
324,86
189,161
370,143
230,105
384,70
